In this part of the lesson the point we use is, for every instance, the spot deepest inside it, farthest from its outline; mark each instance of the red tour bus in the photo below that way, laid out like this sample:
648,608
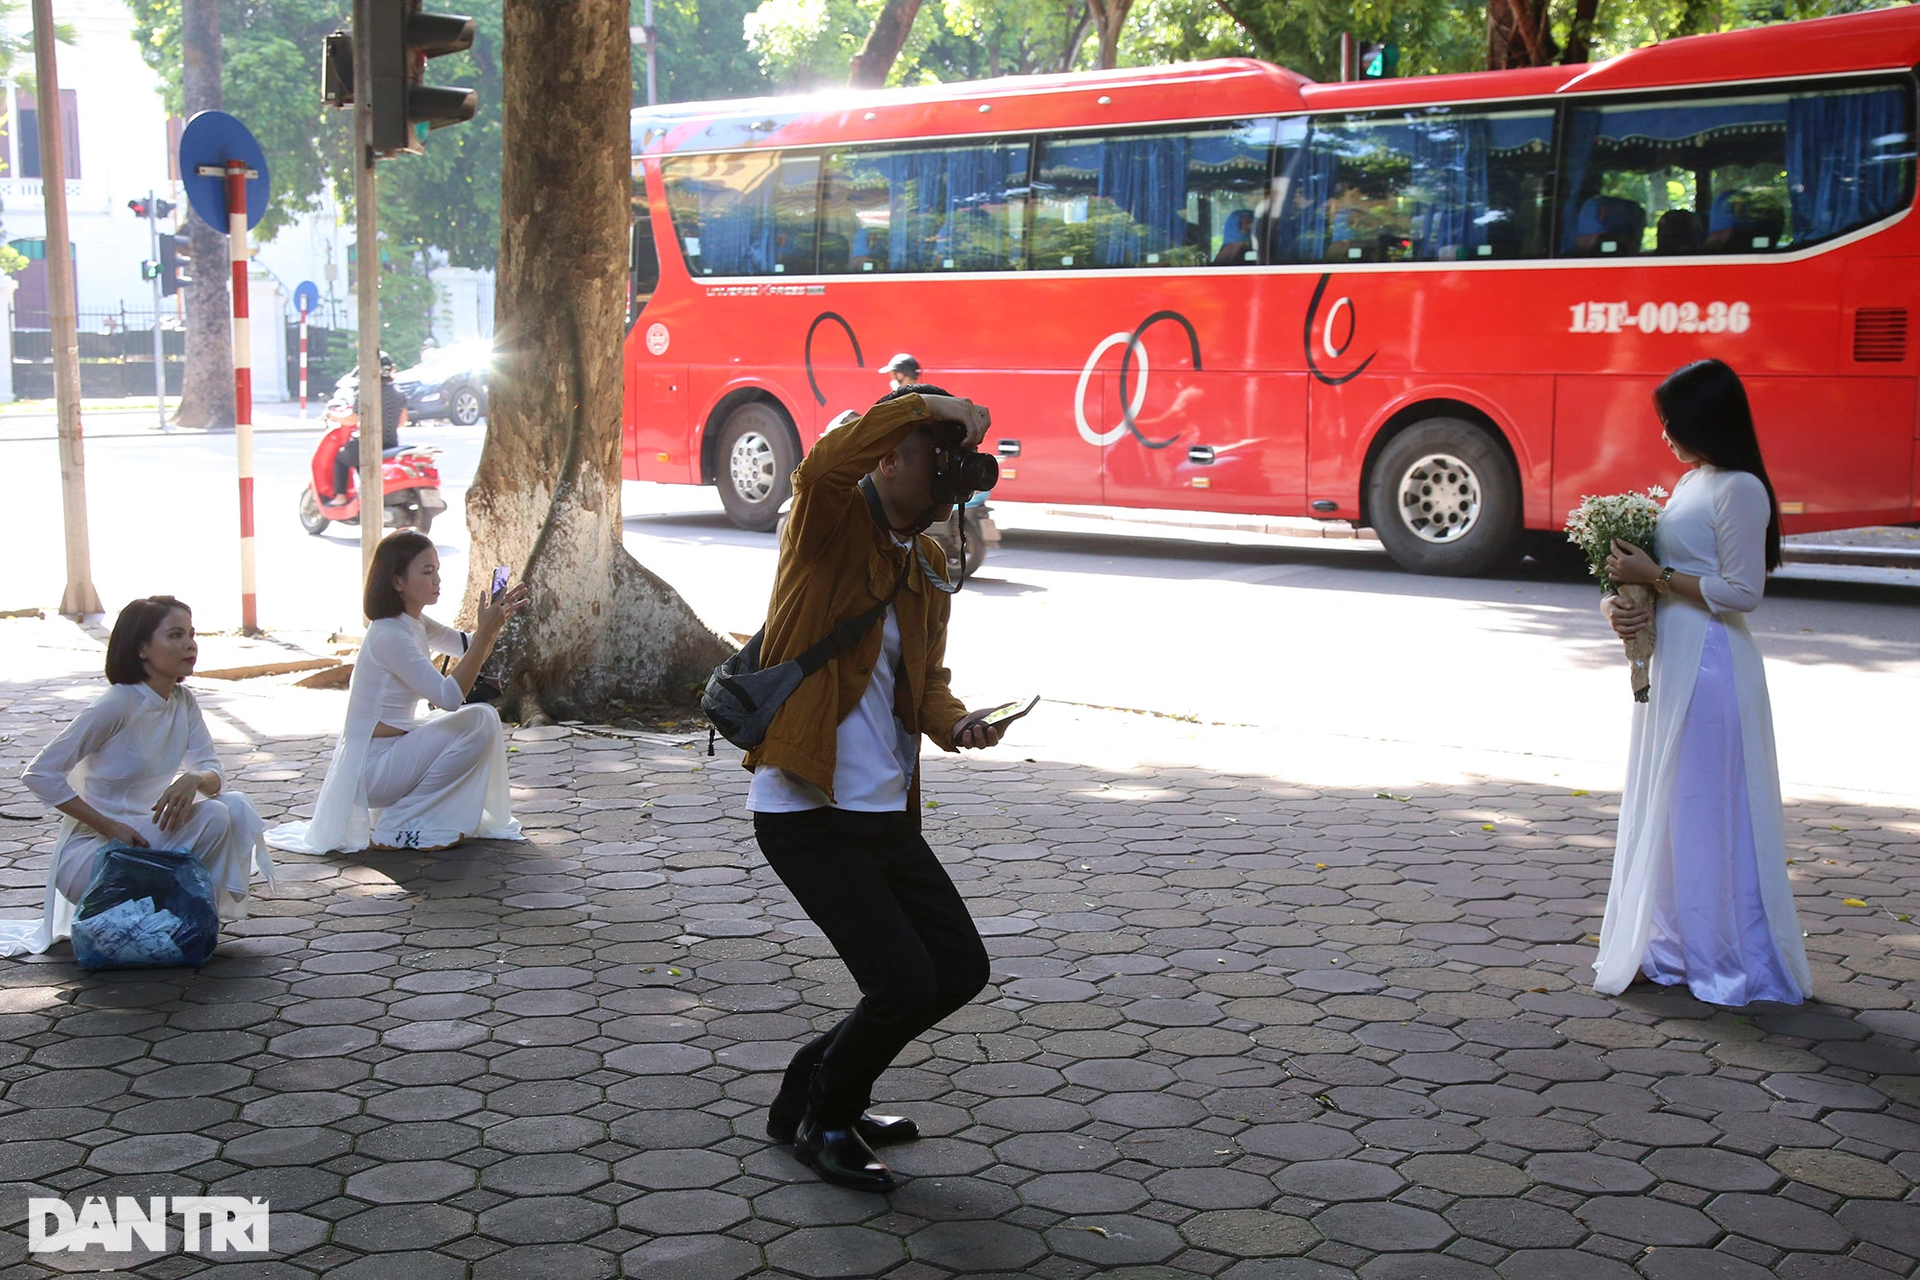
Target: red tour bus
1433,306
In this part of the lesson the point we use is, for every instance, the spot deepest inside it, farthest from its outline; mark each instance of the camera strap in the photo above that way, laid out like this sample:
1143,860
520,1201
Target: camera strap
879,513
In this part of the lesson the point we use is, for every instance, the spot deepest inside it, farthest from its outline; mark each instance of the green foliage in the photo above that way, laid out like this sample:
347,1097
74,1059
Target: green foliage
12,261
407,299
698,57
807,44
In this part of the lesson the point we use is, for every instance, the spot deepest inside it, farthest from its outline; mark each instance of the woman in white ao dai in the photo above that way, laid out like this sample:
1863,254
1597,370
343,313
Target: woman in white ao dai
1700,893
399,780
116,774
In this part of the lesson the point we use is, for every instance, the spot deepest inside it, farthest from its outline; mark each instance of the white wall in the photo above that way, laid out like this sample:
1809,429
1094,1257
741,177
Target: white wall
123,156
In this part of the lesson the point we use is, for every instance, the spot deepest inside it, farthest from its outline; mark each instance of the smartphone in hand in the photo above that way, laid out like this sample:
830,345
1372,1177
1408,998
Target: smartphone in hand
1002,716
500,576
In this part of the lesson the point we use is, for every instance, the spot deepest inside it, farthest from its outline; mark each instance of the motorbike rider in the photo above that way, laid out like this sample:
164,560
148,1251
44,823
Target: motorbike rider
393,412
903,368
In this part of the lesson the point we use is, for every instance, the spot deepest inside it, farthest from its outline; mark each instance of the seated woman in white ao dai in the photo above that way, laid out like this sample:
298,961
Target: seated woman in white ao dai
116,774
399,780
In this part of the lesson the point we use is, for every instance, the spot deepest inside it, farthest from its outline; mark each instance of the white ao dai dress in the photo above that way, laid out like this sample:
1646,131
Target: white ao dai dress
440,782
1700,892
119,755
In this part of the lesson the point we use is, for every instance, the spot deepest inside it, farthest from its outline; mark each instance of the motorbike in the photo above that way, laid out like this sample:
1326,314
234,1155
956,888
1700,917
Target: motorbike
982,533
410,481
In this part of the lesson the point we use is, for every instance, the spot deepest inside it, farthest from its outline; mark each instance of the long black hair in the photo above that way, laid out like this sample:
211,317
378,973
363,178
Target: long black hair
1704,409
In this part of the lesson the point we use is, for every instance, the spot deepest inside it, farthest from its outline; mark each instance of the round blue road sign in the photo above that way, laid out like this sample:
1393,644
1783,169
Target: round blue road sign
213,138
306,296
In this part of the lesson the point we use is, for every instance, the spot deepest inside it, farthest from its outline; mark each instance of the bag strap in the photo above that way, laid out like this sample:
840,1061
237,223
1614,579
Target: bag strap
848,632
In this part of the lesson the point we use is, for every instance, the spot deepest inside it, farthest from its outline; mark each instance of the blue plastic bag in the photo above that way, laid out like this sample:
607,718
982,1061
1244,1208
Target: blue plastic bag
146,909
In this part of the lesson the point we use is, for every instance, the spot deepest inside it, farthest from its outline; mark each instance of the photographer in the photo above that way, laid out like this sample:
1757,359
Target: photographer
836,783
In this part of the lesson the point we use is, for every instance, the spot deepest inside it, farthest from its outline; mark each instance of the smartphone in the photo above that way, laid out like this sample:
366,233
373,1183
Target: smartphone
1007,714
500,576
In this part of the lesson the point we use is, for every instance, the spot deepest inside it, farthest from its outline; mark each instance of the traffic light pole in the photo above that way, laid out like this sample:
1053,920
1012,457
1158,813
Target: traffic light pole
159,346
367,250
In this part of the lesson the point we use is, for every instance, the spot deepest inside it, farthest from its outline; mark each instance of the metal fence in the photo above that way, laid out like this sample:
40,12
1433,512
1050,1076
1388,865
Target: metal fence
116,354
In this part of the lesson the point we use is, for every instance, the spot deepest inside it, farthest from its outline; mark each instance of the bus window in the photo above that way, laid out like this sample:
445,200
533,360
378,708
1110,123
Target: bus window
1751,174
931,209
1183,199
746,214
643,257
1434,185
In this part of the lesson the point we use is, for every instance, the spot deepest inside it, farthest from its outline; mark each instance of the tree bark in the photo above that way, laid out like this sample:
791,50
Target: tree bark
1109,20
206,389
1580,34
1519,34
889,35
602,632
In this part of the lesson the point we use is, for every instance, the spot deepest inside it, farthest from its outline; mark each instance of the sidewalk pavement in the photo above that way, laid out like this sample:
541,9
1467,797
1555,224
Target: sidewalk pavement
1241,1025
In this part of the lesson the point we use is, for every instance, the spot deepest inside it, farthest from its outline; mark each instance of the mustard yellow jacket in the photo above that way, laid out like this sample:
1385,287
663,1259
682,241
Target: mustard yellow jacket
835,561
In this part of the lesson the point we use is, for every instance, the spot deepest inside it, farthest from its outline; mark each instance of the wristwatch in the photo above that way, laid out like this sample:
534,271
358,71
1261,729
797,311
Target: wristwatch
1665,583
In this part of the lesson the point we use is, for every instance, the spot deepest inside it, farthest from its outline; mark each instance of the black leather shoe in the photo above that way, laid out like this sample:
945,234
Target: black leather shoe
841,1156
878,1131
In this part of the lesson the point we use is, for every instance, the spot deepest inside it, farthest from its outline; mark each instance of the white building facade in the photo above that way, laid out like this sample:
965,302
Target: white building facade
119,140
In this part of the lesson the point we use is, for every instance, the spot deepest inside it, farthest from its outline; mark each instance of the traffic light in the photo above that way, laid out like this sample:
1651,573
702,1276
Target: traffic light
149,269
161,208
1379,61
403,105
176,263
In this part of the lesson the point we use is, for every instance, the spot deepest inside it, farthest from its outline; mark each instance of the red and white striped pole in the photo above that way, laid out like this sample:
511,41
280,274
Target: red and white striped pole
303,358
237,175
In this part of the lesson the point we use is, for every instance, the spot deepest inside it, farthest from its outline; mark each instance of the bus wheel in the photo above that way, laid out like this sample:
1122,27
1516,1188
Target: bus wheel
1445,500
755,463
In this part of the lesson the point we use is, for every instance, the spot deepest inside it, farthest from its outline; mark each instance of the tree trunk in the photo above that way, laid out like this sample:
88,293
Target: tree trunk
601,632
206,389
1519,34
1076,36
1580,34
1109,20
884,42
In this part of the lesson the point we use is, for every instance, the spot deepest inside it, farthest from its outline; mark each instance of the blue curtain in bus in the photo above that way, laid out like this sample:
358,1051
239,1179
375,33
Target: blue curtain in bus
945,206
1583,128
1146,179
736,229
1302,227
1848,160
1450,174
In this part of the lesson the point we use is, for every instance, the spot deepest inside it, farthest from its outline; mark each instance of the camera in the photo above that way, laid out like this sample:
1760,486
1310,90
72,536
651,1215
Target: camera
959,470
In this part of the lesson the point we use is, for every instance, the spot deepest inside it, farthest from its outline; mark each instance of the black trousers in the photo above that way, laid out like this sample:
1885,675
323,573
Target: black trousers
891,912
345,463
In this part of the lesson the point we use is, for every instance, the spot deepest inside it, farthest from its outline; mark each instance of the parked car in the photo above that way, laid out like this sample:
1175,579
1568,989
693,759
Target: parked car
449,382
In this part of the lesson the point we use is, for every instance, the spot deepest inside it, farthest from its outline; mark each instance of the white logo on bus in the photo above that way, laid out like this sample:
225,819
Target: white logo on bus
1100,439
657,339
1326,333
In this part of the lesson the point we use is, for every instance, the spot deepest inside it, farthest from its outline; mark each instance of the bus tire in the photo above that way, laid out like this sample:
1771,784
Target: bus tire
753,464
1444,499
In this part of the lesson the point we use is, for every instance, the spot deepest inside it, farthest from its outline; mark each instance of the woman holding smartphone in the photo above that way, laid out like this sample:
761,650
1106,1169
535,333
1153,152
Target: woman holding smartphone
398,780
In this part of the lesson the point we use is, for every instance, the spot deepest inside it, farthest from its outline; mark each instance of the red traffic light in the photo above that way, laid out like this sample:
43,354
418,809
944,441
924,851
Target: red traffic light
161,208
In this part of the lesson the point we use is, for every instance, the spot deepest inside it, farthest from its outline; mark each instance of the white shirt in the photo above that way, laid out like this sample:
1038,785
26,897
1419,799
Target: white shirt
873,753
123,751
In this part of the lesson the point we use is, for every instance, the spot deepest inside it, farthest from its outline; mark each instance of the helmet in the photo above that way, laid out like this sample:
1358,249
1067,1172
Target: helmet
902,363
386,365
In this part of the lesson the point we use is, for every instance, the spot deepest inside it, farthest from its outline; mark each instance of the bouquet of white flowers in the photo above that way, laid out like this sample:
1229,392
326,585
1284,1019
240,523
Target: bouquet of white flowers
1592,526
